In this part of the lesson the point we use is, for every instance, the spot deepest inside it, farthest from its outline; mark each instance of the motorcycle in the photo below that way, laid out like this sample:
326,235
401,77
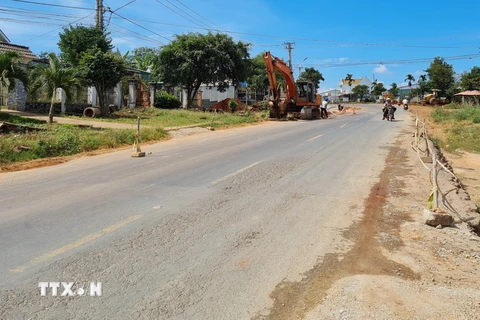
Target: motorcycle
390,113
405,106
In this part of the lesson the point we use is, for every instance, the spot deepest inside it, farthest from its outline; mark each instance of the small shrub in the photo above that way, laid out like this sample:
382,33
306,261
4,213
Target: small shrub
165,100
232,105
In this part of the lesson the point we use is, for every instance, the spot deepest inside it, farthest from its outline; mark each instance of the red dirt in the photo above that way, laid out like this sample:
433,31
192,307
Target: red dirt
223,105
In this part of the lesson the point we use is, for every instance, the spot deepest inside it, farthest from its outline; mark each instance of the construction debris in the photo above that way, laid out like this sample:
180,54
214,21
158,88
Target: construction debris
7,127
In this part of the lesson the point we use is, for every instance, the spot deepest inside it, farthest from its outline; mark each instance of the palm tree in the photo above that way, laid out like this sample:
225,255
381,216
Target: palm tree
11,69
55,75
349,79
422,80
410,79
372,89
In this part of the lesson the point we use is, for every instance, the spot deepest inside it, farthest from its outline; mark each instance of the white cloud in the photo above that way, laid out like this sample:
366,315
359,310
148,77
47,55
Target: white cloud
381,69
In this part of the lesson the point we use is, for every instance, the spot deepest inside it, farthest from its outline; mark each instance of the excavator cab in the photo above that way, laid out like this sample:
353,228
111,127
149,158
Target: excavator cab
305,92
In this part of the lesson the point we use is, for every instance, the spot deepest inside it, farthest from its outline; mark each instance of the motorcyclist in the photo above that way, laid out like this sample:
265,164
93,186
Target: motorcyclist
388,104
405,104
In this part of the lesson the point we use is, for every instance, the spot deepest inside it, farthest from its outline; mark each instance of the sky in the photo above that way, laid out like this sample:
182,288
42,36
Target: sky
380,40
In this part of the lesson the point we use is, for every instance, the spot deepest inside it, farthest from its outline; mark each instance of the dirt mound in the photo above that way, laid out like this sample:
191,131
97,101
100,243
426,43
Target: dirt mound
223,105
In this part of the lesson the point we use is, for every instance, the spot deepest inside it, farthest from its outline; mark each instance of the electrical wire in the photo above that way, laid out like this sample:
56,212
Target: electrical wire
199,14
202,27
44,34
161,36
52,5
396,62
142,36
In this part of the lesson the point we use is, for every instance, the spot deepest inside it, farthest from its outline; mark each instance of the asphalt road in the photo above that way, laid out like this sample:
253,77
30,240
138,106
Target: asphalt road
204,227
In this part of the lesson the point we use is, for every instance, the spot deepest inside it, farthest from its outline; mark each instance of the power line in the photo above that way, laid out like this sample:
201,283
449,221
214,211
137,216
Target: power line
202,27
140,26
57,28
124,5
186,13
198,14
393,62
144,37
52,5
335,43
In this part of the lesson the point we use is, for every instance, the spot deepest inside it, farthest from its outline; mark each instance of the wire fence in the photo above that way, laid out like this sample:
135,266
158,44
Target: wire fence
427,153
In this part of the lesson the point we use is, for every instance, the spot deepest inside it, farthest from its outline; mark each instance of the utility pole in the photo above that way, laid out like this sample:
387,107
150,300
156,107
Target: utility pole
99,16
289,47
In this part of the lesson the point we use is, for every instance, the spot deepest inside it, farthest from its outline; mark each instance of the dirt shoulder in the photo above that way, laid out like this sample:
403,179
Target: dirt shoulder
398,267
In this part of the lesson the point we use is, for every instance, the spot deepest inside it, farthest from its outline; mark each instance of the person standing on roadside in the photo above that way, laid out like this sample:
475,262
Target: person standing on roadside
323,109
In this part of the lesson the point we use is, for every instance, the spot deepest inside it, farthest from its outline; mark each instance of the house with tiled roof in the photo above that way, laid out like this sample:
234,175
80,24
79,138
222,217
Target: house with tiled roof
25,54
347,88
3,37
15,99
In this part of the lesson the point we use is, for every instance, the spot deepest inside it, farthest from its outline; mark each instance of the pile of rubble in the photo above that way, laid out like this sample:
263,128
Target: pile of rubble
223,105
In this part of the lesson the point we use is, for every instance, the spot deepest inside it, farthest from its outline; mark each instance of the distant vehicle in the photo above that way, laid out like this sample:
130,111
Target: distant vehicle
433,99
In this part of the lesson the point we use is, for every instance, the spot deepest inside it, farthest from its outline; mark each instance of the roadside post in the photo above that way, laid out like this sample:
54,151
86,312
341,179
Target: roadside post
137,151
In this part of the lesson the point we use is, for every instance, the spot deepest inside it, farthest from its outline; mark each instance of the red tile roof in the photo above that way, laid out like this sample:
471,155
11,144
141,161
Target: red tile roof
22,50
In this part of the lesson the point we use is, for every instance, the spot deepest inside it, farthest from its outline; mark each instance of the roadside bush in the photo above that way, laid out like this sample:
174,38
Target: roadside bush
165,100
440,115
63,143
464,114
465,138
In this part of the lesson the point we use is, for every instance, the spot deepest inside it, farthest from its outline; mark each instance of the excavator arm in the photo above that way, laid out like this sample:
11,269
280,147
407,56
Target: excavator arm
275,64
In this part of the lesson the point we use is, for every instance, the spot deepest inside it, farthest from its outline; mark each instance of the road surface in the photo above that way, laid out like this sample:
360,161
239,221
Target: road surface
203,227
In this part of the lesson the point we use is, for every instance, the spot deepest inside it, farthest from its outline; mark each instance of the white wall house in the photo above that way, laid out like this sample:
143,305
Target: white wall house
209,95
346,89
333,94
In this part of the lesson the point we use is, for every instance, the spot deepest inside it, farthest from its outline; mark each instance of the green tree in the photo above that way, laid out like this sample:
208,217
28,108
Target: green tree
360,91
422,85
103,70
144,57
441,75
55,75
393,89
74,41
214,59
313,75
378,89
12,69
257,78
410,79
471,80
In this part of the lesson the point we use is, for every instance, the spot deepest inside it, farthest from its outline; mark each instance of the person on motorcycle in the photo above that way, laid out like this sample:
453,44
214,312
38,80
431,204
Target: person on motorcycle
388,104
405,104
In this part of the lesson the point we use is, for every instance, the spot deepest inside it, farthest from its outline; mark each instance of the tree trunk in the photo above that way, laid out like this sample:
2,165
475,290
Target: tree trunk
102,100
50,113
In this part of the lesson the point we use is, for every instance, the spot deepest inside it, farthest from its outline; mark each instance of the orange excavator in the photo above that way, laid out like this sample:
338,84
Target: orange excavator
299,95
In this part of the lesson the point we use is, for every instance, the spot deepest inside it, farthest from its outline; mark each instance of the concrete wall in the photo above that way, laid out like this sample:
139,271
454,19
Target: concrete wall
17,98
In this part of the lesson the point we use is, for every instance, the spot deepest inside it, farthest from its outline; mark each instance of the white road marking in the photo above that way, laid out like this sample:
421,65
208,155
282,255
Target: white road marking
78,243
236,172
316,137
